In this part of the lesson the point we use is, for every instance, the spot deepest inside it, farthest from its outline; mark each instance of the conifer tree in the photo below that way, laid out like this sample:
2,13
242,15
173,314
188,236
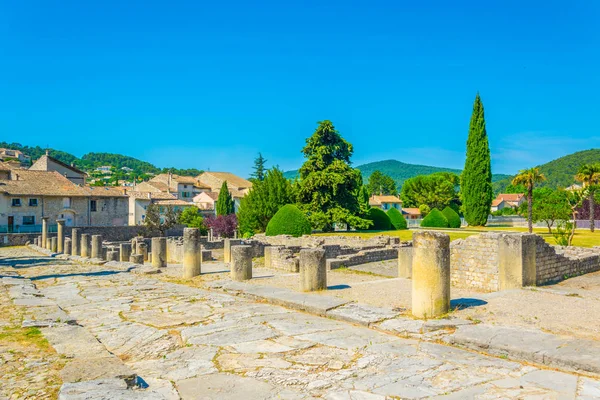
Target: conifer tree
225,205
476,179
259,168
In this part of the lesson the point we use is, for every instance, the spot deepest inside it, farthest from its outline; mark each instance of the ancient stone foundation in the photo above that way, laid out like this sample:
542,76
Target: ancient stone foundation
54,244
67,246
75,242
125,251
313,270
159,252
60,233
112,255
192,253
85,245
96,247
241,263
405,259
137,259
430,274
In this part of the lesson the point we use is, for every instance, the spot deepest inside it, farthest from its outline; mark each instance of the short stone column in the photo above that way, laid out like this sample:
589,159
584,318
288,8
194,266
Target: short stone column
430,274
54,244
97,246
48,243
241,263
226,250
313,270
67,246
85,245
405,258
516,261
60,233
75,242
192,253
112,255
142,248
45,232
39,241
137,259
159,252
125,251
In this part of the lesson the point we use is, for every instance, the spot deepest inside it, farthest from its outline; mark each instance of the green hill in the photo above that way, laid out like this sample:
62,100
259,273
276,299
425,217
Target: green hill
399,171
560,172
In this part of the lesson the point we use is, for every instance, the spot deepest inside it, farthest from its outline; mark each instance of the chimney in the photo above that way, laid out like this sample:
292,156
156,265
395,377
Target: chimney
47,152
149,196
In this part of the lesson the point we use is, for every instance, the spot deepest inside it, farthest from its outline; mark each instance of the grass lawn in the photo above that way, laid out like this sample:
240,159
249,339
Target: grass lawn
583,237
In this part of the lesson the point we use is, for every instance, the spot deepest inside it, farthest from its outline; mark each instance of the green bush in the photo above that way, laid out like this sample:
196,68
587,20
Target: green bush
381,221
452,217
397,219
435,219
289,220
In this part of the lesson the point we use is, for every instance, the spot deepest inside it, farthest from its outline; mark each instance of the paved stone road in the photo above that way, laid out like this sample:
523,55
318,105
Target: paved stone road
184,342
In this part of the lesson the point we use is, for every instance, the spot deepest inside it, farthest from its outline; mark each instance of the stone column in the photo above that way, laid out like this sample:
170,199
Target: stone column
142,249
313,270
405,258
67,249
60,232
97,246
75,242
39,241
192,253
241,263
125,251
54,244
137,259
112,255
159,252
48,244
85,245
44,231
226,250
430,274
516,261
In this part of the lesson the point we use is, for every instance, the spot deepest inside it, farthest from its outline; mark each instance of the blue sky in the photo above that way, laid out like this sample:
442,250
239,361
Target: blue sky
210,84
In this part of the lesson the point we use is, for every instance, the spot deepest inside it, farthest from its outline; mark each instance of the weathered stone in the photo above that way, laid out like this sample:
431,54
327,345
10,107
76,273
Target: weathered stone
430,274
96,247
192,253
137,259
159,252
45,232
313,270
361,314
75,242
241,263
60,233
516,261
143,250
124,251
405,259
112,255
54,244
85,245
67,246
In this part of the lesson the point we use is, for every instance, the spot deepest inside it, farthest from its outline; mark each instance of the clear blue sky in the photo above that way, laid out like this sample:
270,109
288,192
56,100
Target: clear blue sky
210,84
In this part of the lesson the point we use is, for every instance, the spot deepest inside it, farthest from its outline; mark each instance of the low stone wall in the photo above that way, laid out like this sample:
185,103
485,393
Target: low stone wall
283,258
474,262
18,239
175,251
122,233
319,241
556,263
362,257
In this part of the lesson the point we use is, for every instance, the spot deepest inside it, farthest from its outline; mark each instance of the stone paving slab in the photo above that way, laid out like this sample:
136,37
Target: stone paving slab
361,314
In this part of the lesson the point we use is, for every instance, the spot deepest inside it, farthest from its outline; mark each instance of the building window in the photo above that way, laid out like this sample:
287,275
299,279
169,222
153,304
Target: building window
33,202
185,186
93,205
16,202
66,202
185,194
30,220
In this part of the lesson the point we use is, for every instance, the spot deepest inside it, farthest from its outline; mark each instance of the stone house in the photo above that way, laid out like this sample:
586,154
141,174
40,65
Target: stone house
238,187
386,202
411,213
184,187
51,164
139,202
504,200
26,196
8,154
206,200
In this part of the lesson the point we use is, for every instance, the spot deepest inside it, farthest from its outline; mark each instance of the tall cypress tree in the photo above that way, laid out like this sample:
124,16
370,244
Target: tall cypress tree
476,179
225,205
259,168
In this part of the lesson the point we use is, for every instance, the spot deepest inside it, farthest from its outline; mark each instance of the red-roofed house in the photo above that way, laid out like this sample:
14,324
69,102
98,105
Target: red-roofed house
504,200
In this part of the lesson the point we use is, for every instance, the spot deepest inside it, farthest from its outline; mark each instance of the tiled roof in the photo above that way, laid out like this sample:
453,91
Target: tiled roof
105,191
41,183
411,211
4,166
232,179
46,158
174,203
163,187
378,200
497,202
212,195
154,195
510,196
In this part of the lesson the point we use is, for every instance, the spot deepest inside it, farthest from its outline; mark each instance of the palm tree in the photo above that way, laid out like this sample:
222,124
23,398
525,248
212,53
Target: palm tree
528,178
589,175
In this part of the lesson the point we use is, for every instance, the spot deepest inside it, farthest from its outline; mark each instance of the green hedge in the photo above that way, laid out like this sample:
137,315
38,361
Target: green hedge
381,221
452,217
289,220
435,219
397,219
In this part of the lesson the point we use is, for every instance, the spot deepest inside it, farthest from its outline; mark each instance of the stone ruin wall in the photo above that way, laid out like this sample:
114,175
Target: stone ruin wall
556,263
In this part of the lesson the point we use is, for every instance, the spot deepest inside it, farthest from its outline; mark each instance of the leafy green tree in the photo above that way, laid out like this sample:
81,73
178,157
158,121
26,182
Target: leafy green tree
549,206
381,221
435,219
157,221
424,209
363,200
263,201
289,220
192,218
259,168
225,204
381,184
328,186
589,175
575,199
452,217
476,178
436,190
397,219
529,178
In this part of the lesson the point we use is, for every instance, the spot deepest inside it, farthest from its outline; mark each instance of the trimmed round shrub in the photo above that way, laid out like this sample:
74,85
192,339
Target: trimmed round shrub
289,220
381,221
397,219
452,217
435,219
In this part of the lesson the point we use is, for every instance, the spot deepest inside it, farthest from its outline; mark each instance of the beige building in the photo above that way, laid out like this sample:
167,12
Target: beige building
8,154
386,202
26,196
206,200
51,164
238,187
504,200
139,202
184,187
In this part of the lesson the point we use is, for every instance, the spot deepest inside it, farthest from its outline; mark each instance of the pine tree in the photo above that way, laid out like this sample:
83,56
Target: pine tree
259,168
476,179
225,205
